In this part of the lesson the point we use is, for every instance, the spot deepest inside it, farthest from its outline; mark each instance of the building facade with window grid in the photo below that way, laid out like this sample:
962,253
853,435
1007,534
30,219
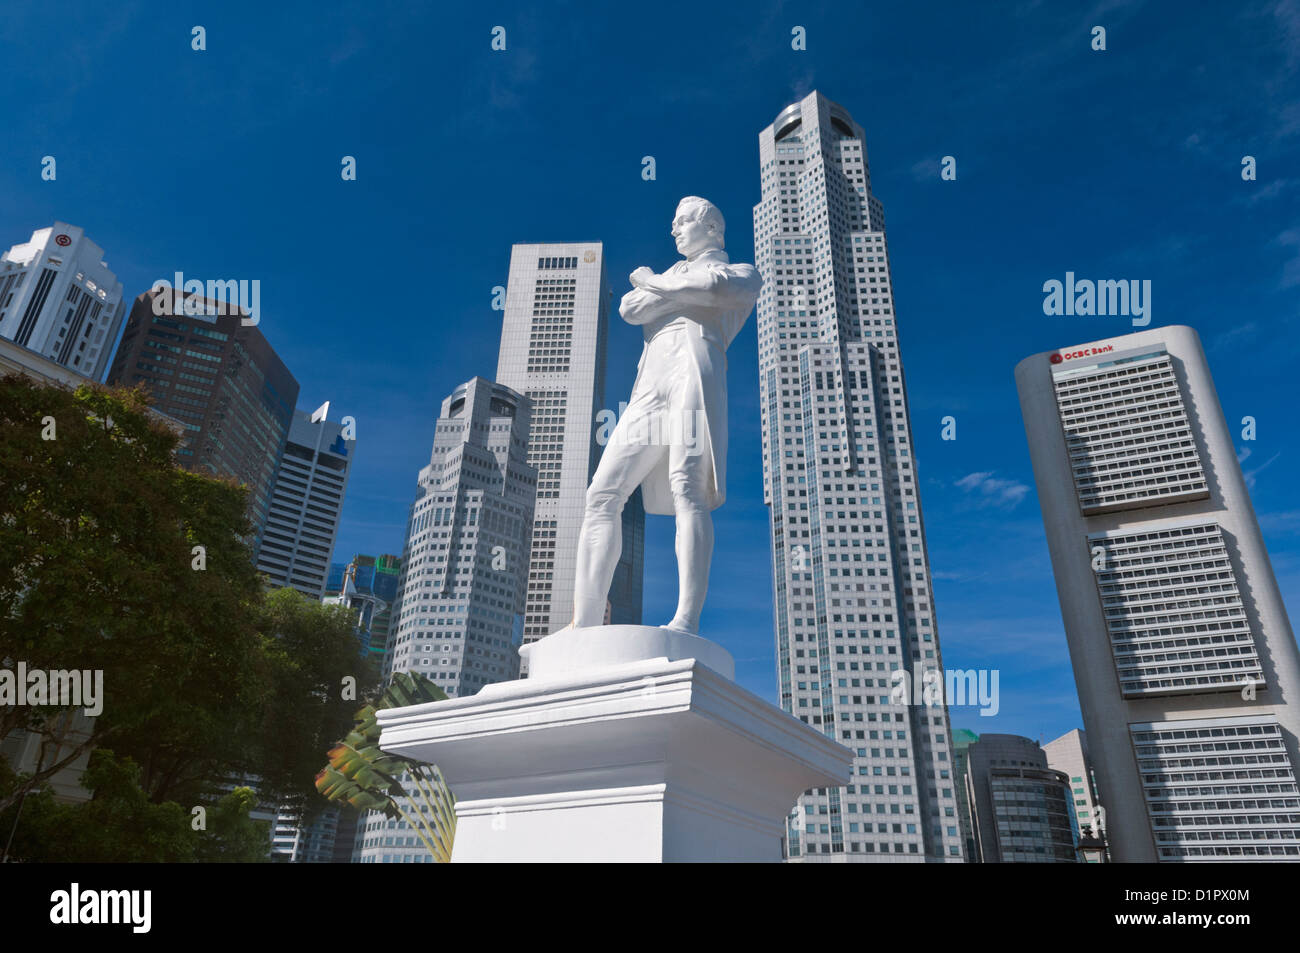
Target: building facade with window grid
1019,806
852,591
458,618
1183,655
306,505
553,343
222,380
1069,755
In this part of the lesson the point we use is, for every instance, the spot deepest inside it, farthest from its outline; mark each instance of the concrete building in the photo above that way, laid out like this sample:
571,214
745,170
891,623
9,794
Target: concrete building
27,752
306,505
553,343
852,592
293,843
16,359
460,610
221,379
59,299
1069,755
1184,658
1019,808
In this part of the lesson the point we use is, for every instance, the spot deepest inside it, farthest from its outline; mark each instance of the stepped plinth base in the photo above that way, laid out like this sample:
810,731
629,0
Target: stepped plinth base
649,759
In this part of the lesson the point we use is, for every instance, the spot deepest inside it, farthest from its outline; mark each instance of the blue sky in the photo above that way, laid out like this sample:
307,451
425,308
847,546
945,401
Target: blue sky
1116,164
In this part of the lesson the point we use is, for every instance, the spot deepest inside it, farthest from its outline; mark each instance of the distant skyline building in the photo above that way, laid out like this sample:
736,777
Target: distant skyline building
1019,807
222,380
852,593
553,349
369,585
59,299
1185,661
460,609
962,739
306,505
1069,755
313,844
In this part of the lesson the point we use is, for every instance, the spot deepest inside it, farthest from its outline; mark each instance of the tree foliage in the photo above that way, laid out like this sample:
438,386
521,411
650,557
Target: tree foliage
205,678
97,529
120,824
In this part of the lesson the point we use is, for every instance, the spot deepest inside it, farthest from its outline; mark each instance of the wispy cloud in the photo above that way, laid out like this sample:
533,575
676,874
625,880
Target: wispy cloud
1271,190
1283,523
1291,268
991,491
1235,337
926,170
1244,454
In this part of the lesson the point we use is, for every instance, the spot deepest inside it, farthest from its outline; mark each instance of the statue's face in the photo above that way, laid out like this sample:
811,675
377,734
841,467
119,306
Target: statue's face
692,236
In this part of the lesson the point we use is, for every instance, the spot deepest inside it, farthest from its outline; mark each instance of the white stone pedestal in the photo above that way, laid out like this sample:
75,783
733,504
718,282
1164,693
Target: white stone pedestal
626,743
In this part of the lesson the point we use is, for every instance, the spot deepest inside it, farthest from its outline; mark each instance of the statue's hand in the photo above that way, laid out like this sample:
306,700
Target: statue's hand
640,277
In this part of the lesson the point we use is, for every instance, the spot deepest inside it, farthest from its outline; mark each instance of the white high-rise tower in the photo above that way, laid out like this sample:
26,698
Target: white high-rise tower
458,617
58,298
1184,658
553,352
852,596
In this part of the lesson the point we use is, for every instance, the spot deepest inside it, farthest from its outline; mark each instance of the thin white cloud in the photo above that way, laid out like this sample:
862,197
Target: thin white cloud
1291,268
926,170
991,491
1251,475
1241,335
1283,523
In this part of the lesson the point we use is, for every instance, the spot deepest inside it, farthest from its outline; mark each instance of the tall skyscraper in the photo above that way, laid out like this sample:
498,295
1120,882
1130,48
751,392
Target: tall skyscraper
1185,662
1069,755
553,341
58,298
459,613
306,505
222,380
851,579
1019,807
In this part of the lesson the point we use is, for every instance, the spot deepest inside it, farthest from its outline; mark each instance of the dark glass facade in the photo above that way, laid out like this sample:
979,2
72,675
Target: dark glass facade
222,381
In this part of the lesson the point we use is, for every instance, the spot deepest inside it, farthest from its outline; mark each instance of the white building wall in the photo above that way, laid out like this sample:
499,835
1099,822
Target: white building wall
59,299
1181,808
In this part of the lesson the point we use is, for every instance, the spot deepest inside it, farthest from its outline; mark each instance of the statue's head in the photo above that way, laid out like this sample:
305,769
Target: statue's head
698,226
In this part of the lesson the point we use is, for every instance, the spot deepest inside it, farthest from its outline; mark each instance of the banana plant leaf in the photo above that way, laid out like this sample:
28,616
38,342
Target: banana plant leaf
361,774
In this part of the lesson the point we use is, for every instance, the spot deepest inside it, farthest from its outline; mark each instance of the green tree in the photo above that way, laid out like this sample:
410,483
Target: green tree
318,674
232,836
120,824
97,571
205,678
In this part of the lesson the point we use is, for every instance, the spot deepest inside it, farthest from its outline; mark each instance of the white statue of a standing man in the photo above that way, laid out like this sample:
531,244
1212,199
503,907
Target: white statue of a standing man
672,438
